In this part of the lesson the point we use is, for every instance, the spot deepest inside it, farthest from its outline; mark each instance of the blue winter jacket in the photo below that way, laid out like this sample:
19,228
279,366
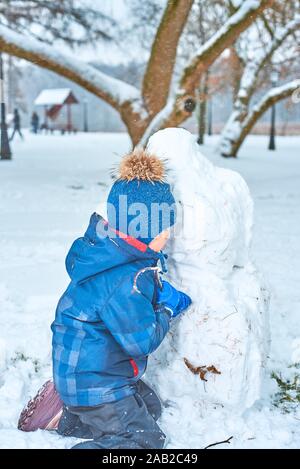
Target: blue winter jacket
104,329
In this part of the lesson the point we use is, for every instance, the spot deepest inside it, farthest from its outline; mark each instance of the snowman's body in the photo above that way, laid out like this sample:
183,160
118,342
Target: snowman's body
209,259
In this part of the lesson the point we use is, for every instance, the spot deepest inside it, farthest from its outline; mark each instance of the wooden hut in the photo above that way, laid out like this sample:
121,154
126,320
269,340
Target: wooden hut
54,101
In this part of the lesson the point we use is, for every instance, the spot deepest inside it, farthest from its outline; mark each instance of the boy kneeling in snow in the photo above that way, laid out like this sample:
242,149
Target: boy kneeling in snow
114,313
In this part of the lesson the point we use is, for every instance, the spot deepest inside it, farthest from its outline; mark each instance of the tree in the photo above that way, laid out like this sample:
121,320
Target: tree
154,106
203,90
269,99
207,16
258,59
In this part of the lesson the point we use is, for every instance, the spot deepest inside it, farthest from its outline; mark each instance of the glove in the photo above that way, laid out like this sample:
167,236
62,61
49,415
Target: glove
174,301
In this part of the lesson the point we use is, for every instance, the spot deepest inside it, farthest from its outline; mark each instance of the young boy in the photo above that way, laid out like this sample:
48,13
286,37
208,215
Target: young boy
115,312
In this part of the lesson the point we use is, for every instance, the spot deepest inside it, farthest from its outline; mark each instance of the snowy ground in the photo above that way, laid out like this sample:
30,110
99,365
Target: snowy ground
48,192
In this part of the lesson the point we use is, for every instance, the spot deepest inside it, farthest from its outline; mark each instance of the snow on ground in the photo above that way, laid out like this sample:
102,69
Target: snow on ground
47,194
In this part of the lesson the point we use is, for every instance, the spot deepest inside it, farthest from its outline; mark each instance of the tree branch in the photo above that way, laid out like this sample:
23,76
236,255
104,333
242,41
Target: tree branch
233,133
174,111
252,69
267,26
233,27
113,91
159,72
219,443
268,100
211,50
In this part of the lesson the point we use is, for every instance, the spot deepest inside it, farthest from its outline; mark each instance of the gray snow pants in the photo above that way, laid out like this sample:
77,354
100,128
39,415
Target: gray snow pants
127,423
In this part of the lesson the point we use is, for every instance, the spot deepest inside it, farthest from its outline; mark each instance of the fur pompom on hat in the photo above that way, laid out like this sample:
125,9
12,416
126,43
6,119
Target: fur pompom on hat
142,166
140,203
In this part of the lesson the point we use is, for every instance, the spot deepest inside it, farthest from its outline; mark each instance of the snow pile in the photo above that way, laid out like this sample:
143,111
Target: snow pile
227,324
25,358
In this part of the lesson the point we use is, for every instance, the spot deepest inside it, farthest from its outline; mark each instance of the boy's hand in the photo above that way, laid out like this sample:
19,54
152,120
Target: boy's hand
174,300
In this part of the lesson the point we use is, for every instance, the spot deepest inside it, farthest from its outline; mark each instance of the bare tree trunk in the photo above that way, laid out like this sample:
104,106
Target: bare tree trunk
210,117
202,108
236,72
159,72
244,128
233,128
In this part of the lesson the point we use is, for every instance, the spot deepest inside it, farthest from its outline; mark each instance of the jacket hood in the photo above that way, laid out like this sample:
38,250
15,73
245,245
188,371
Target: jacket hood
102,248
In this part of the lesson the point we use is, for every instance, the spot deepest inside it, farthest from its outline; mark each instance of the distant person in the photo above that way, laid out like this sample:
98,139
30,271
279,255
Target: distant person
17,124
35,122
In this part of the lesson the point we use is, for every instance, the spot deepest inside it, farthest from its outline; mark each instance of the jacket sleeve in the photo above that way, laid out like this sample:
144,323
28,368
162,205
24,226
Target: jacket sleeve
133,322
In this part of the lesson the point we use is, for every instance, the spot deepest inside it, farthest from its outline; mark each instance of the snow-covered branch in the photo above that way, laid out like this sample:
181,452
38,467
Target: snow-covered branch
270,98
253,67
163,54
152,108
115,92
210,51
238,131
235,25
234,127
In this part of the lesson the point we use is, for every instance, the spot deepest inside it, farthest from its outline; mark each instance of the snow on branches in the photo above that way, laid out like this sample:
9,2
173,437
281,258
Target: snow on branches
242,118
140,110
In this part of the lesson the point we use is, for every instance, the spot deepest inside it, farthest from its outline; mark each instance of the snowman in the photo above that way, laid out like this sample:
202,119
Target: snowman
212,363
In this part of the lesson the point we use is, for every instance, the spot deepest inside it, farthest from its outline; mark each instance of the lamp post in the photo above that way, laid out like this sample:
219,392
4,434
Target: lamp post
209,130
85,115
272,146
5,151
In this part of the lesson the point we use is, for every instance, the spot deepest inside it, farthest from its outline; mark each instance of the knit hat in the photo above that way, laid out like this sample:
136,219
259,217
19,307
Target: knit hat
140,203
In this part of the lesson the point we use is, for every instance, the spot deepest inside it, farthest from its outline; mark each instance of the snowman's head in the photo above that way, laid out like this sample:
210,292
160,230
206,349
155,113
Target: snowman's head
173,144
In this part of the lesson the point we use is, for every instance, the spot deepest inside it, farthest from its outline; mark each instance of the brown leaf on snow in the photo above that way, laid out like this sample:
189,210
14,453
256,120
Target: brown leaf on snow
213,369
201,370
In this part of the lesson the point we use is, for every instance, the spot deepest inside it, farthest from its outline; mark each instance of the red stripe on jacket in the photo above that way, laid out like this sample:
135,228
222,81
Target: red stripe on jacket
134,366
130,240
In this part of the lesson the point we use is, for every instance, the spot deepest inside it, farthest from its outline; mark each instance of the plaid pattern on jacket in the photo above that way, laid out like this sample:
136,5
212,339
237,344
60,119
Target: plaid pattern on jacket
104,329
